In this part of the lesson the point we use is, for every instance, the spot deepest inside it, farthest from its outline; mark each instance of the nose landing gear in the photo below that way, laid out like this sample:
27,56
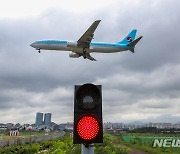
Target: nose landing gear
39,50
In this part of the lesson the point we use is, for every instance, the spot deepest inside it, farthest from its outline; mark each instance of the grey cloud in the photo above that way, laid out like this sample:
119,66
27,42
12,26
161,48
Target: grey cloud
45,81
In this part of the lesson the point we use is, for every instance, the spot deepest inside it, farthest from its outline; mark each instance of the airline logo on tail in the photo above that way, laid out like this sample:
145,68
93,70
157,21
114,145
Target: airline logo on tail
129,39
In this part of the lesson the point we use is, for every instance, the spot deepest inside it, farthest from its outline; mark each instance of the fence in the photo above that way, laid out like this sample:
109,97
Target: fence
21,140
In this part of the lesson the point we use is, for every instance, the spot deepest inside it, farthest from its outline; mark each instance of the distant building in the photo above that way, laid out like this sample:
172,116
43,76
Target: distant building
3,126
177,126
39,119
160,125
10,126
69,126
18,125
47,119
62,126
113,126
54,126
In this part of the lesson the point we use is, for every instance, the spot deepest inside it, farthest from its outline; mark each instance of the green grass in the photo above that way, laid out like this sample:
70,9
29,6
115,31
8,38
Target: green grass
64,145
113,144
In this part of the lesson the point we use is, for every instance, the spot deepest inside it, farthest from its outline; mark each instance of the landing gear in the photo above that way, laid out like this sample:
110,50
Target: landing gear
84,53
39,50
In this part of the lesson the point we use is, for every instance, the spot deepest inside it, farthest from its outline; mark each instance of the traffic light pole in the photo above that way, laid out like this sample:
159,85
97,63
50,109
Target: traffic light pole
89,149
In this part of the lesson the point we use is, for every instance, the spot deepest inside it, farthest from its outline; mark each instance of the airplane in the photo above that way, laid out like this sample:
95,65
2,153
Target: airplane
83,47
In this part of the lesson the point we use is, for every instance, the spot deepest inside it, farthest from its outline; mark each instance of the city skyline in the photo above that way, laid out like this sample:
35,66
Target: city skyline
136,122
106,125
143,86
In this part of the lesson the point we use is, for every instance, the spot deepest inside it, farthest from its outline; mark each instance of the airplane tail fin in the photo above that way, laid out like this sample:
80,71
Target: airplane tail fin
129,38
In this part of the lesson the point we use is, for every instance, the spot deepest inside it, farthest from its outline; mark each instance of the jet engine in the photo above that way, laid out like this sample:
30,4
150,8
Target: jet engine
72,44
74,55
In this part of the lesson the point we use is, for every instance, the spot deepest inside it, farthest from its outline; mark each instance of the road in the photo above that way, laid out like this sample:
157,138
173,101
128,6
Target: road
135,151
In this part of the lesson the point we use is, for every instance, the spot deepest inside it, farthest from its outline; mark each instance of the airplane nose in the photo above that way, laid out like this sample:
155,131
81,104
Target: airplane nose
32,44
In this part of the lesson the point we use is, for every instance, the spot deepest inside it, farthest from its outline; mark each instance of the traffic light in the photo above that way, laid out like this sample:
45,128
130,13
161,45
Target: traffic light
88,124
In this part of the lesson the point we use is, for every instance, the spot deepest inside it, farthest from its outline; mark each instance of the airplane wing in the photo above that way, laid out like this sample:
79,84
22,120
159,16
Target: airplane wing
87,37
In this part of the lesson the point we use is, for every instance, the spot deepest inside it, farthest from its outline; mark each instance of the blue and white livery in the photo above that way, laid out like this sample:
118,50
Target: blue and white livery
84,46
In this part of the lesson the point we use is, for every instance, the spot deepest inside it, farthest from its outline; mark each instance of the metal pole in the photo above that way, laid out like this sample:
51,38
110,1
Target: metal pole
89,149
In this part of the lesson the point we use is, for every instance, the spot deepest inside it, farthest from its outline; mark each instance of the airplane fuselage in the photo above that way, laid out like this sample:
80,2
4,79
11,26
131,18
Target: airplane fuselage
64,45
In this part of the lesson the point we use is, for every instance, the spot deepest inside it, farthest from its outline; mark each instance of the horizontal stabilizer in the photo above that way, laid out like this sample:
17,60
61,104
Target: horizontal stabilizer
133,43
132,50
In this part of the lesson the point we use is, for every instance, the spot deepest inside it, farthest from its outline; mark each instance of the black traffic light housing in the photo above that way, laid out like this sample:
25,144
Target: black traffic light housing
88,103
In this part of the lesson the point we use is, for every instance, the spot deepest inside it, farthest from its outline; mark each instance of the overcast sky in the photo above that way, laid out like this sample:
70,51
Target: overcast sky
144,86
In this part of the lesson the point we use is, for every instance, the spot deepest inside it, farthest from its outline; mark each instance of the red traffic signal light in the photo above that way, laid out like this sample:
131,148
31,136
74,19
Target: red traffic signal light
88,127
